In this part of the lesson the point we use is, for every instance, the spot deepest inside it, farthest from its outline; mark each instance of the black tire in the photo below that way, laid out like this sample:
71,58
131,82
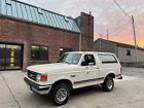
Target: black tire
108,84
54,94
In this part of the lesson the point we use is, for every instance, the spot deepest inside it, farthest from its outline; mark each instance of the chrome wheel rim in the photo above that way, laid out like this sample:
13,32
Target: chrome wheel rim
110,84
61,95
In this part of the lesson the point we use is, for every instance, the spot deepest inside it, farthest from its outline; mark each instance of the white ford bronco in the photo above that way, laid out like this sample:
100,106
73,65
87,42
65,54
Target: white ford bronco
74,70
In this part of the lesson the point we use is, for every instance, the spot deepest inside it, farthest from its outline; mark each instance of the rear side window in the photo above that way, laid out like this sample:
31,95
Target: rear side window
107,58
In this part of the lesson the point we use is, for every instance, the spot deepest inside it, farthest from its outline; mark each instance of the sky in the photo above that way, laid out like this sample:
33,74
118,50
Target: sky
107,15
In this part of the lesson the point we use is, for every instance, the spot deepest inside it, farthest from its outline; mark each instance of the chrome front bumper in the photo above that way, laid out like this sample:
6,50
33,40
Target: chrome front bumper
36,88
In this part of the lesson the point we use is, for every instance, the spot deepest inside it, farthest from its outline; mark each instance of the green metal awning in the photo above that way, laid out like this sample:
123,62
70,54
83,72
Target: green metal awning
22,11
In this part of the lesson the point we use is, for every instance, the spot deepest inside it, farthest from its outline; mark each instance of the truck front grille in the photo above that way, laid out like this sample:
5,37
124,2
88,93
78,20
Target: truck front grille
32,75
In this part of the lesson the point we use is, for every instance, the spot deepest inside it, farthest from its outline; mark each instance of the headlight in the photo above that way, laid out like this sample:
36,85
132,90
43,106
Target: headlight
38,77
42,77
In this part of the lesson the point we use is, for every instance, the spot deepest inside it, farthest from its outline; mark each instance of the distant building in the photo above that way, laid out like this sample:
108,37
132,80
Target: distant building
125,52
32,35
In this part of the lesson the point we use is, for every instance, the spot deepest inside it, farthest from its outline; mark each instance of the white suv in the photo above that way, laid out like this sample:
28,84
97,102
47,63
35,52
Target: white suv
74,70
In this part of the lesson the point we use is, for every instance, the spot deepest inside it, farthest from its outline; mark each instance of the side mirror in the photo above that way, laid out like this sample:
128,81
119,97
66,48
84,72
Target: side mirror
84,63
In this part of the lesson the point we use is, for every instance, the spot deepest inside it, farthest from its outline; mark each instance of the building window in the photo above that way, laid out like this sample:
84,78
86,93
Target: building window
128,53
63,50
39,52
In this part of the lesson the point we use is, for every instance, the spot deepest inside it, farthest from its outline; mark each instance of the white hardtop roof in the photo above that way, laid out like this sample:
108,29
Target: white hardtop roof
90,52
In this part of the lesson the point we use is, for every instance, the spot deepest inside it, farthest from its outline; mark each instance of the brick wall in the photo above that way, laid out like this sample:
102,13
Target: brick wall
87,31
15,31
12,31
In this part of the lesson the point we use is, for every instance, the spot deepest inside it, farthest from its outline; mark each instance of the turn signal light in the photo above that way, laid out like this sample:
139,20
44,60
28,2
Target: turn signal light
43,78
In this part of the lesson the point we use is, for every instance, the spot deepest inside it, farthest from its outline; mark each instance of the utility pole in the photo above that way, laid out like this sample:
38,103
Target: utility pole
134,35
100,48
107,33
133,26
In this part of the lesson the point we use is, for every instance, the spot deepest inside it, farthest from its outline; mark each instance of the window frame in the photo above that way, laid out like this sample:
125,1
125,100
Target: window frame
39,49
107,62
83,60
128,52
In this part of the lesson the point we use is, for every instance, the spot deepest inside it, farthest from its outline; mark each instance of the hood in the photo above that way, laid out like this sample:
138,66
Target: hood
50,68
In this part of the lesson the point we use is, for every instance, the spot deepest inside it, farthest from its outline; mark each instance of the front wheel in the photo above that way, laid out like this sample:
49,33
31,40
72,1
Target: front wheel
108,84
60,94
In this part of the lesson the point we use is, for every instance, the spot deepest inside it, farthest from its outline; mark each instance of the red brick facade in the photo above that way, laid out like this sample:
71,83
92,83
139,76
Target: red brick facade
27,34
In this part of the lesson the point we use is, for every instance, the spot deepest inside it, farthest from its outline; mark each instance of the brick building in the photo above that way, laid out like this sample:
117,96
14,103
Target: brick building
30,35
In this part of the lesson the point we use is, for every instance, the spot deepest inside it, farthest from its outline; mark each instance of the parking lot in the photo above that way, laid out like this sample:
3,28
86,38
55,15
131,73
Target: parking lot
128,93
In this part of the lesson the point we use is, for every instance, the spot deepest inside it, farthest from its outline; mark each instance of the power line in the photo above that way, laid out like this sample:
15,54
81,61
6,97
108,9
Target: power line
113,33
118,5
125,13
119,28
136,8
133,26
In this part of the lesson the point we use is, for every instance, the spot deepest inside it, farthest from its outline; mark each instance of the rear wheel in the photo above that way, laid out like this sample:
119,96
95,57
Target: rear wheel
60,94
108,84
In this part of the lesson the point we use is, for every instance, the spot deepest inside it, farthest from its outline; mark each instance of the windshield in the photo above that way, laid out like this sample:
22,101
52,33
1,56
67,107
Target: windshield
70,58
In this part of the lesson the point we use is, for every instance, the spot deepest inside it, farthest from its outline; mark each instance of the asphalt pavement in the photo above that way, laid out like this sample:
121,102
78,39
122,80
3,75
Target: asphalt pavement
128,93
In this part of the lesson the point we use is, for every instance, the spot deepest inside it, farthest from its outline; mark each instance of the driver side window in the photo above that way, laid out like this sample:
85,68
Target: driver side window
88,60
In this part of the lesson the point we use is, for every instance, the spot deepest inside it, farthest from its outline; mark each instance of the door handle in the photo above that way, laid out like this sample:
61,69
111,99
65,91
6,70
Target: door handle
73,76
